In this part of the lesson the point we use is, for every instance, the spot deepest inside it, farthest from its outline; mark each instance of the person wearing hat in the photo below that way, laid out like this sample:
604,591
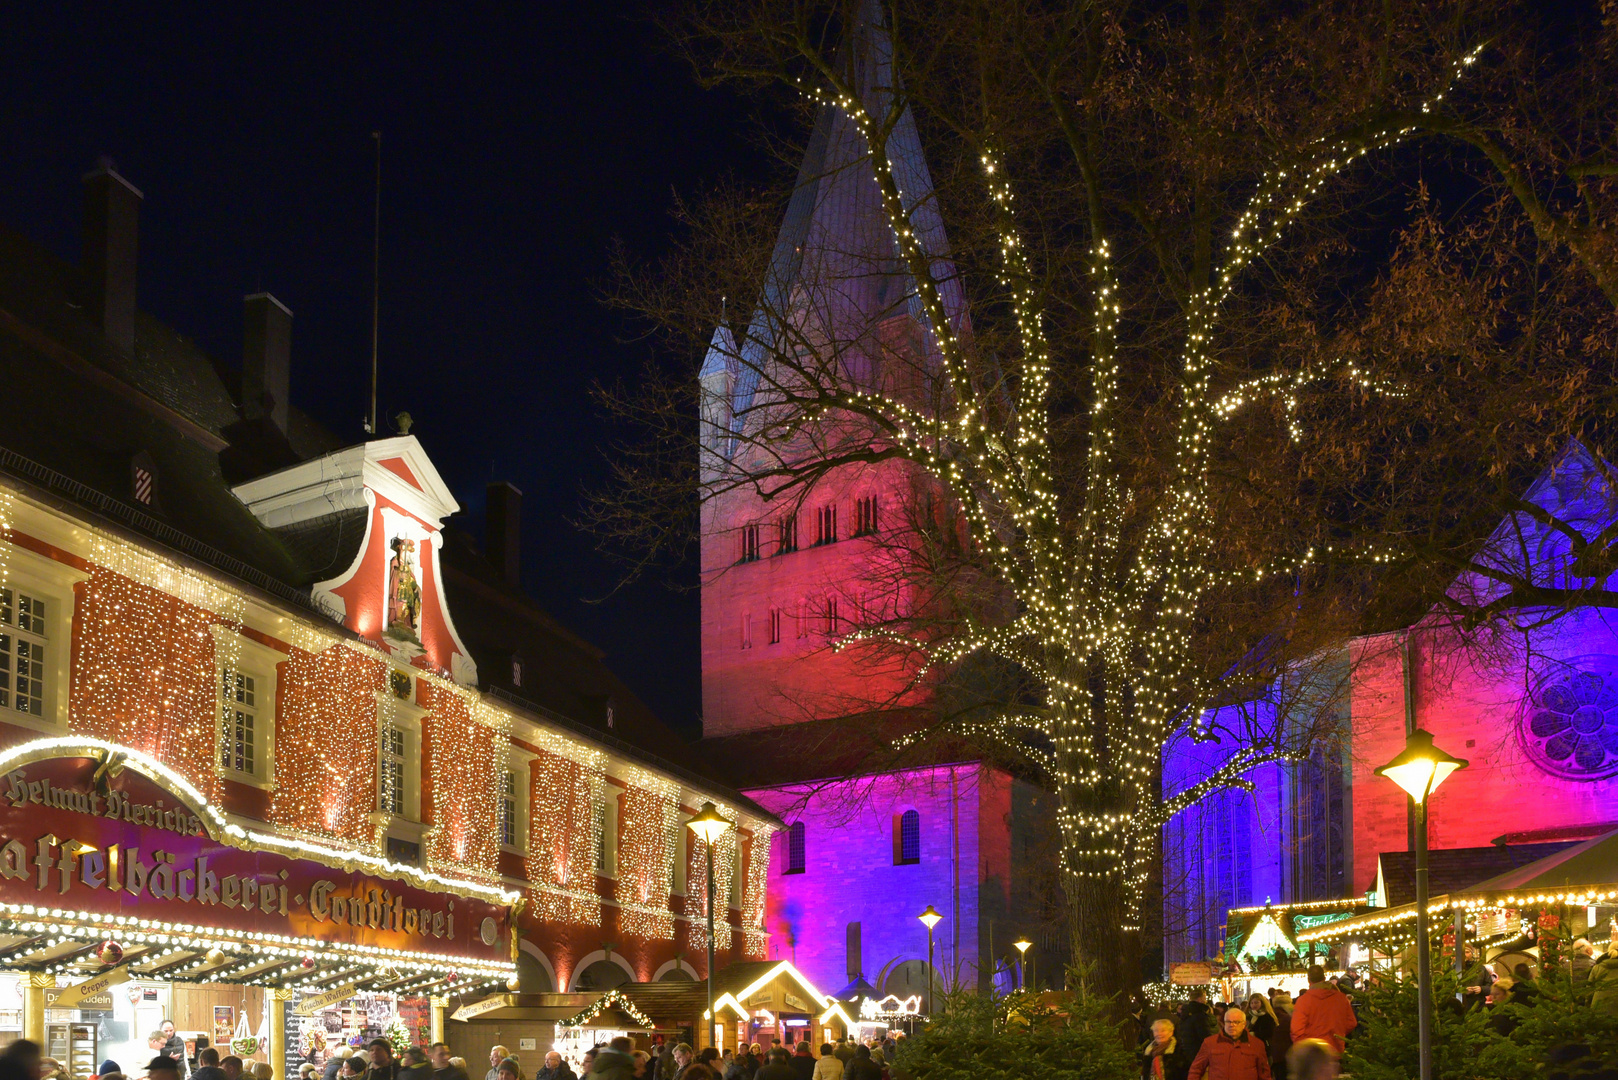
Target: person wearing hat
163,1067
109,1067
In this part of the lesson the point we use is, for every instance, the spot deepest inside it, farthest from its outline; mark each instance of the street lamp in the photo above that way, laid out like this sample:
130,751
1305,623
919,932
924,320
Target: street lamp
931,918
1419,769
709,826
1021,945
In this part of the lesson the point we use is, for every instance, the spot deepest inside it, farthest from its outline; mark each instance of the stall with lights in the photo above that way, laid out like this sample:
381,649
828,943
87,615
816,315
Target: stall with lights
118,881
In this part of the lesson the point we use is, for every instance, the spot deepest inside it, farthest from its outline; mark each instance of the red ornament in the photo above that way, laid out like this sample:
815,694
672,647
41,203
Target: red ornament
307,962
110,952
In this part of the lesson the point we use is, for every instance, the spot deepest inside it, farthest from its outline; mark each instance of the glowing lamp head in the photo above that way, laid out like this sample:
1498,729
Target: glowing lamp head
1022,945
1421,766
930,917
708,824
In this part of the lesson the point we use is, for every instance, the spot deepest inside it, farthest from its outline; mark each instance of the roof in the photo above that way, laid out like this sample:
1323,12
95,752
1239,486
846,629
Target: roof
1578,875
77,412
835,242
1455,869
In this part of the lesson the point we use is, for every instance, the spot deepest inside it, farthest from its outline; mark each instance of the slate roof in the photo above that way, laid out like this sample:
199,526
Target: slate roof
835,241
1455,869
75,412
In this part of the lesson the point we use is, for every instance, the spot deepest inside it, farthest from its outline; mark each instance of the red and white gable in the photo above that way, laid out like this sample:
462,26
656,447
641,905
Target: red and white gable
391,591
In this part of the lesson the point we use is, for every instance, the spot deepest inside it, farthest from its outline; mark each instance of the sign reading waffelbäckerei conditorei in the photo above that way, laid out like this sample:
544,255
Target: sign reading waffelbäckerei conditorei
128,846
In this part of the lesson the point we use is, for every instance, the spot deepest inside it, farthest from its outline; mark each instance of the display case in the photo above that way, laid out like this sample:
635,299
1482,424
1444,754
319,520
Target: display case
74,1045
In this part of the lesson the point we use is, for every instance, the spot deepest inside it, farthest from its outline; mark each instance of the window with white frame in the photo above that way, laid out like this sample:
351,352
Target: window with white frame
239,749
392,757
607,833
24,652
246,707
511,823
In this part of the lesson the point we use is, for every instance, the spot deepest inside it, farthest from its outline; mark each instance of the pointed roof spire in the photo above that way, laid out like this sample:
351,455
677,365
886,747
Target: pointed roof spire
835,243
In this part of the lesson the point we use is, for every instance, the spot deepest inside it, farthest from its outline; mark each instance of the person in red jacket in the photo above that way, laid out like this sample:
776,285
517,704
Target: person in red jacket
1232,1054
1323,1012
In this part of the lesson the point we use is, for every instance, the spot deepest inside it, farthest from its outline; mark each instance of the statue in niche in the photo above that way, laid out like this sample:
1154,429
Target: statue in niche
404,592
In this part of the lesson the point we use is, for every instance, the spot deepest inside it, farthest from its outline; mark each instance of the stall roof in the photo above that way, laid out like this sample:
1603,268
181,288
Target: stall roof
1582,874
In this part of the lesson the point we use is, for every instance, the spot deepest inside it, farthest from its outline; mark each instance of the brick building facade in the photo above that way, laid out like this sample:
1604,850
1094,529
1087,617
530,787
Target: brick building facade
192,569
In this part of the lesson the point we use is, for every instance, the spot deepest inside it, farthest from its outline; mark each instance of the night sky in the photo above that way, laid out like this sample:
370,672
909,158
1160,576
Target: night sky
518,141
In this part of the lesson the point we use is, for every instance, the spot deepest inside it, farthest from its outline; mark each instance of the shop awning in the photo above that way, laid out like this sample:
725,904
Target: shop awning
1583,875
113,866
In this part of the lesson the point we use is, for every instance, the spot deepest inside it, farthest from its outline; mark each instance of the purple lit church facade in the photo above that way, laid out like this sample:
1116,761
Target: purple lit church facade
1534,712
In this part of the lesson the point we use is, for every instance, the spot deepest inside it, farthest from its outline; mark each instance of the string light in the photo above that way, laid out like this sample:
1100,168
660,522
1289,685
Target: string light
696,892
649,814
612,999
1083,589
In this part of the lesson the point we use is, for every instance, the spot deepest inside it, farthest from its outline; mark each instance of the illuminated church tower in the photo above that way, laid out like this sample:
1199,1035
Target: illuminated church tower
803,728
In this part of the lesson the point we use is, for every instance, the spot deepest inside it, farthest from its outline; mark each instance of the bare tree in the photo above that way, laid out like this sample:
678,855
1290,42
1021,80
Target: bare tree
1086,382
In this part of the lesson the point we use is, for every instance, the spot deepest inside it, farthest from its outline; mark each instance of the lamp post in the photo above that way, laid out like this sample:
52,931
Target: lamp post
1021,945
931,918
1419,769
709,826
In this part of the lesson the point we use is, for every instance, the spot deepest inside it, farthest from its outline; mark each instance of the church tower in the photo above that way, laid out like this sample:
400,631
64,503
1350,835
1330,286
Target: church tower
785,577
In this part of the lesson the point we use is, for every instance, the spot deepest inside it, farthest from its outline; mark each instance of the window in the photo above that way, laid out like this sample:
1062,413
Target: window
735,900
390,771
906,838
516,671
747,631
749,543
238,747
795,860
680,853
23,647
829,615
788,534
826,525
803,619
865,516
507,817
775,626
245,707
607,834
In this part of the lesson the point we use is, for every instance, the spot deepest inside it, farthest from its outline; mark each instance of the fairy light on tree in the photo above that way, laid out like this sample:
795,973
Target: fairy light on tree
1092,494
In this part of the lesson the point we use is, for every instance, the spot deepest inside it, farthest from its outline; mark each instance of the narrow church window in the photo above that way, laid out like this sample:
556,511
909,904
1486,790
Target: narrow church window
795,854
831,614
747,631
826,525
775,626
907,838
750,546
788,534
802,619
865,516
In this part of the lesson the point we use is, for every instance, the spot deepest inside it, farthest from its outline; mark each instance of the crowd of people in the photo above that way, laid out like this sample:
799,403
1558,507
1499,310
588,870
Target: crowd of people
1269,1037
619,1060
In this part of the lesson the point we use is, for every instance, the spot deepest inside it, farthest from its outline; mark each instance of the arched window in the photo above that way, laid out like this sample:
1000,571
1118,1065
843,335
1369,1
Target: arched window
795,860
906,838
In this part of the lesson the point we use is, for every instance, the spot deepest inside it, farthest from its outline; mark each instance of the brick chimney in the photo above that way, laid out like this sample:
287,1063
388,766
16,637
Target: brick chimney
266,358
503,530
111,238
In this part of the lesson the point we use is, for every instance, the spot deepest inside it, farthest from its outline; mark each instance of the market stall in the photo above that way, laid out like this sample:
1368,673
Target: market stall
1572,893
127,899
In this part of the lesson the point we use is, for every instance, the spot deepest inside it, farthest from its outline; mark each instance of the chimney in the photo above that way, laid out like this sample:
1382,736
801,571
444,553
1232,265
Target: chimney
266,358
503,530
111,234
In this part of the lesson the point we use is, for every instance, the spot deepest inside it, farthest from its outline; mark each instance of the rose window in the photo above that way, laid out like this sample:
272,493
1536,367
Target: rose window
1570,727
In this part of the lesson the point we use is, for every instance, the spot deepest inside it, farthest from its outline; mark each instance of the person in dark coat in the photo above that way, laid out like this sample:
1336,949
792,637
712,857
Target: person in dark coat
775,1066
1164,1057
20,1060
1281,1004
802,1061
1262,1021
1195,1022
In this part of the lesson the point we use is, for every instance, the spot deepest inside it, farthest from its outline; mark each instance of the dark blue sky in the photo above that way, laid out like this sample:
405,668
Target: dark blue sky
519,139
